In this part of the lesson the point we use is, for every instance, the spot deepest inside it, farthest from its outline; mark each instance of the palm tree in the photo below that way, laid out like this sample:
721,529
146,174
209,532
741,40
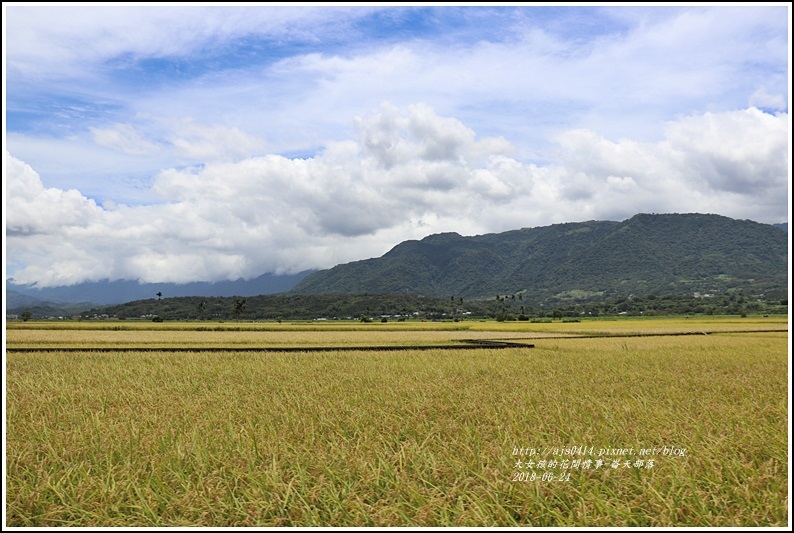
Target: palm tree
159,295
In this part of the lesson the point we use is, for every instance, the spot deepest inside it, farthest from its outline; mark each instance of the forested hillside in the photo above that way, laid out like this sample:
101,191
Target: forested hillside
647,254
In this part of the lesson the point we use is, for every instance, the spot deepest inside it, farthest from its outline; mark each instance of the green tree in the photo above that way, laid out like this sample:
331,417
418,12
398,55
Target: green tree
25,316
239,307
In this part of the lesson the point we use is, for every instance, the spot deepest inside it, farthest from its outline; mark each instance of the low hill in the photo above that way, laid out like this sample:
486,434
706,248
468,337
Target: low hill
17,303
585,261
293,307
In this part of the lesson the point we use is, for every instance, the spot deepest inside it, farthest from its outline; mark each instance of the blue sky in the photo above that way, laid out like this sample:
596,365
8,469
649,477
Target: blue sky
202,143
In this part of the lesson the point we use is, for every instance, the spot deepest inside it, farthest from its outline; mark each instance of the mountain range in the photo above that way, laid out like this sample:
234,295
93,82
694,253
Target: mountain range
646,254
114,292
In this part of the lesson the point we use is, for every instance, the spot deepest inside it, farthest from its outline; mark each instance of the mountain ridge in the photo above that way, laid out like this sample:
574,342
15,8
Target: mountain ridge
647,253
545,261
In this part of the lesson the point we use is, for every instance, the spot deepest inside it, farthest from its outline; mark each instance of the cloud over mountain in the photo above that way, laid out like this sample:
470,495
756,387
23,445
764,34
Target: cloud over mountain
407,173
201,143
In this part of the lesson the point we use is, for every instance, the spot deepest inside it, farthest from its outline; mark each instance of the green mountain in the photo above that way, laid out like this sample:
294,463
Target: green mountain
646,254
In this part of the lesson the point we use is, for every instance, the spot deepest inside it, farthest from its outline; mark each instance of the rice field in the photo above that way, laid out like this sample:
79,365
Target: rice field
587,428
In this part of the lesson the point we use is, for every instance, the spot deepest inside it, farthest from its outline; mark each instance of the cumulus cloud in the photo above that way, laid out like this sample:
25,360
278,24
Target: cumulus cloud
32,209
258,85
750,162
404,174
735,163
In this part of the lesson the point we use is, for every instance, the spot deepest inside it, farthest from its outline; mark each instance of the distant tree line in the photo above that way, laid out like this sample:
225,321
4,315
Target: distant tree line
384,307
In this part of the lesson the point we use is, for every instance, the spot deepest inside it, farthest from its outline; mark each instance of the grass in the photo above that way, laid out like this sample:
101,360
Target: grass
417,438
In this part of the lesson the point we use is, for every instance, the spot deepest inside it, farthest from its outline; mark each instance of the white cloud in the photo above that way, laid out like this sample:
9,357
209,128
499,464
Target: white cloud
762,99
125,138
733,163
740,151
623,184
63,41
32,209
196,141
230,219
623,84
185,138
635,109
